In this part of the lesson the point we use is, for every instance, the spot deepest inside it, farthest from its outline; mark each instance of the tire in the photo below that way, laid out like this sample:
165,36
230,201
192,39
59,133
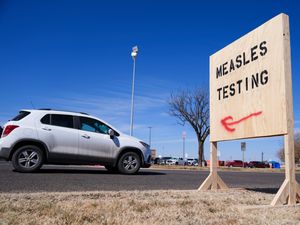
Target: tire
27,159
129,163
111,169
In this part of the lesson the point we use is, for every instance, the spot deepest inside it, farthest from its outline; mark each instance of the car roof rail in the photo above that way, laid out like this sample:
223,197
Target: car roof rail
48,109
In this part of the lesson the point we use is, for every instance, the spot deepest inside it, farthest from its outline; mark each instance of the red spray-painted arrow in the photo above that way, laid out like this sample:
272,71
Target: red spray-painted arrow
228,125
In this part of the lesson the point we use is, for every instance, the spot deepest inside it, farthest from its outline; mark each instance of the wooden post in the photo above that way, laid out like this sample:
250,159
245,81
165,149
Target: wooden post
289,192
213,181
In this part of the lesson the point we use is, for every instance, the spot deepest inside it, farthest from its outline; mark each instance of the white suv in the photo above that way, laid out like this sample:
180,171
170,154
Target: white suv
37,137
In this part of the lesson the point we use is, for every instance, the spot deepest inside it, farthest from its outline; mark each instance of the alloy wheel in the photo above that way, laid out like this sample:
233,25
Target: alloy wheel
130,163
28,158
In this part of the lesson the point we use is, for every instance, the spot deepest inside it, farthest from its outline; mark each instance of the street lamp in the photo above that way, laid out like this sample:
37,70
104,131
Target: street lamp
133,55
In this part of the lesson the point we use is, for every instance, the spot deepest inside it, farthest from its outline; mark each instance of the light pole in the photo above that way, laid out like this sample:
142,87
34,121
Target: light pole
133,55
243,149
150,136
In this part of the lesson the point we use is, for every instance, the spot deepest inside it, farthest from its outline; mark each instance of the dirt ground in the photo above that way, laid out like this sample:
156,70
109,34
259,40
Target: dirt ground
234,206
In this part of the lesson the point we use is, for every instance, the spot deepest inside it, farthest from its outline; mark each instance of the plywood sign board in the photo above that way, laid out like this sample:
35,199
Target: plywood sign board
251,96
248,85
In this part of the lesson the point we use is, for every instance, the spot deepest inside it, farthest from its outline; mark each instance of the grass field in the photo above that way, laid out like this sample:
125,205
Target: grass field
146,207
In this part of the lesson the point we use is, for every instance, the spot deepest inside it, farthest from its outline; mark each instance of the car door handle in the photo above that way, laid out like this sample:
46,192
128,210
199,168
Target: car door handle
46,128
86,136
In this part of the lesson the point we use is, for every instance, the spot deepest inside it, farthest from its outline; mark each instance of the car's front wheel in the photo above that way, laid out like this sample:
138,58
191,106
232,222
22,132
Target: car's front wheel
129,163
27,159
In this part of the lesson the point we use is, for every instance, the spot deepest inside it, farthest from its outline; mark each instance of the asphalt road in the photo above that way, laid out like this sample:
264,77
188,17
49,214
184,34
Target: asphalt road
79,178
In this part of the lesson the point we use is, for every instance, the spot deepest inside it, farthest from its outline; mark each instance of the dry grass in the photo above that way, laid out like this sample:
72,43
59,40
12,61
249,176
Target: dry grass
222,168
146,207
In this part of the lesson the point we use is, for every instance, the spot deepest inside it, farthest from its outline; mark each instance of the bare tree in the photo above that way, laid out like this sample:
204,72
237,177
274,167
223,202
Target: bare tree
280,152
192,107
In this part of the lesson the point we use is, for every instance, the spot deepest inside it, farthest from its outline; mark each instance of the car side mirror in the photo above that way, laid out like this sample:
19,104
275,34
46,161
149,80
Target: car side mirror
111,133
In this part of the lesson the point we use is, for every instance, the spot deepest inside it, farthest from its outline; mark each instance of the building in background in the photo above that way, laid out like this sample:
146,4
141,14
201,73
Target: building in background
153,153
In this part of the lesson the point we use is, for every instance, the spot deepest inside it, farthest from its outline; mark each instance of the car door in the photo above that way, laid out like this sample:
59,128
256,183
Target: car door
61,137
95,145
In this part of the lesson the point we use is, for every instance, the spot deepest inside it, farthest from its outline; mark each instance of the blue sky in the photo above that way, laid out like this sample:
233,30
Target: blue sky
75,55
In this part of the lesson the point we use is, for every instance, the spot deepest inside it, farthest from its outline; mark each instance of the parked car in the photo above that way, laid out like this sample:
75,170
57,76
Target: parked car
1,130
192,162
182,162
258,164
155,160
236,163
37,137
172,161
221,163
163,160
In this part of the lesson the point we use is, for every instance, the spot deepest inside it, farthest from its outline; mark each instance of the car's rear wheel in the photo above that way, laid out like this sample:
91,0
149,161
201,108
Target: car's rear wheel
27,159
129,163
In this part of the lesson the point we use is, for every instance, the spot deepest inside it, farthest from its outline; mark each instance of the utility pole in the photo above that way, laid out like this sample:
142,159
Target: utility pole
262,156
243,149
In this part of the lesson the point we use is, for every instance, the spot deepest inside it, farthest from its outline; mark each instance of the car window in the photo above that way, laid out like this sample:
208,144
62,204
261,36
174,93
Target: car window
62,120
21,115
92,125
46,119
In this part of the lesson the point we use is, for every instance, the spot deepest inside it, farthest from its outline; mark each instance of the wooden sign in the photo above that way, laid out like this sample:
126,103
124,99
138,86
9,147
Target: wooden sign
251,96
248,85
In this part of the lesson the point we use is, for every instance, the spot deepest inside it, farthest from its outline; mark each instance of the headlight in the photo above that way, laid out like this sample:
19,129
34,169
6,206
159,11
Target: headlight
145,144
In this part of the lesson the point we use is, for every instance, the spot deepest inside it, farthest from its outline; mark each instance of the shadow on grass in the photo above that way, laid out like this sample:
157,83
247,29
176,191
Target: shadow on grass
264,190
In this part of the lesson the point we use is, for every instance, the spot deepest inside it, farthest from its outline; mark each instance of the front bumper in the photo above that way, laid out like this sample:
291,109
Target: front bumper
147,163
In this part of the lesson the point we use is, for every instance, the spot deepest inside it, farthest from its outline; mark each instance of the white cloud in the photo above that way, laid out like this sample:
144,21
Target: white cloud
113,107
105,104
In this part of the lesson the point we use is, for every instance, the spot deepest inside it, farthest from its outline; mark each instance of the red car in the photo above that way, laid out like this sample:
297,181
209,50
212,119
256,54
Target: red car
258,164
236,163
